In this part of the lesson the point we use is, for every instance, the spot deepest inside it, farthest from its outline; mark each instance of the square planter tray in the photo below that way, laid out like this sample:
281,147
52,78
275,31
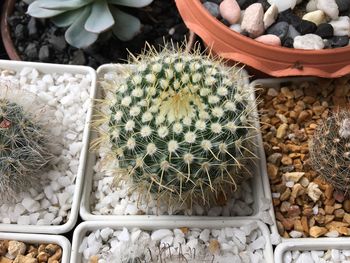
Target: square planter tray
85,227
55,68
307,244
36,239
256,180
275,82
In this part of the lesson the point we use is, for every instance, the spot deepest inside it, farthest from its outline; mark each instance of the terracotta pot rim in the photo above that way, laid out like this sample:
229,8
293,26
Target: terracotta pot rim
7,10
258,45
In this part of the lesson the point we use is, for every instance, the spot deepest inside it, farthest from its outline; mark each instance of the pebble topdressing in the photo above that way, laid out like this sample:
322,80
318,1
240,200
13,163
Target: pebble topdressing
300,24
317,256
17,251
305,205
226,245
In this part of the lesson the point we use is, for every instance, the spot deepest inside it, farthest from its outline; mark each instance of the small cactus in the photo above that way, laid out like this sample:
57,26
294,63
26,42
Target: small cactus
330,150
23,150
179,124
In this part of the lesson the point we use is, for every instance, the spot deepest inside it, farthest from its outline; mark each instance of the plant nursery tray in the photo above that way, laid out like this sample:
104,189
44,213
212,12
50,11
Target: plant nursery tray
257,183
86,227
39,239
43,68
307,244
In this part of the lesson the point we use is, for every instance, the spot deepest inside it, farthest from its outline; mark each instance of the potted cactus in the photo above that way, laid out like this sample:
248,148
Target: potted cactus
176,135
43,134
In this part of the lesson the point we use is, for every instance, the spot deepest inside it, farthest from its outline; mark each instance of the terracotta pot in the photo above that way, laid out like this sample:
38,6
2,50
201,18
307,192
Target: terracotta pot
7,10
275,61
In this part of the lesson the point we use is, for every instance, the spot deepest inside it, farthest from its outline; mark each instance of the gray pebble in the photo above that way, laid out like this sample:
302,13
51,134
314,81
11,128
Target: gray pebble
44,53
32,29
31,51
212,8
292,32
279,29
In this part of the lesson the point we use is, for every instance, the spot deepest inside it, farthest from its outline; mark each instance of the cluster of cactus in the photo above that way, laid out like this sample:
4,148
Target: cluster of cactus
180,126
23,150
330,150
86,19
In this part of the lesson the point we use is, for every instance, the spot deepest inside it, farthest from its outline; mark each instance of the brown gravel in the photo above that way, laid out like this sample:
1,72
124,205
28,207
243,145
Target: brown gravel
303,201
12,251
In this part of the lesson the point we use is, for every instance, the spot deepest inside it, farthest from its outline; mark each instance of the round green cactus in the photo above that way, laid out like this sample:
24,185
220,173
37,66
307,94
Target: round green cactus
179,125
23,150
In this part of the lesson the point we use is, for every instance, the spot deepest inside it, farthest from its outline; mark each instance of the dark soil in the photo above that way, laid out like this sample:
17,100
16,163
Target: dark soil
40,40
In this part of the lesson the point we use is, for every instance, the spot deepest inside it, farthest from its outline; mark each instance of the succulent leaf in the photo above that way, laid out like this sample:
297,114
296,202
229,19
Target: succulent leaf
36,10
67,18
100,18
84,28
126,26
63,4
76,35
131,3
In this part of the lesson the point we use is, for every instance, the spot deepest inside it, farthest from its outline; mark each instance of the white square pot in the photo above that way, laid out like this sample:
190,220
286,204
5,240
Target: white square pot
42,239
273,83
309,244
256,181
60,69
81,231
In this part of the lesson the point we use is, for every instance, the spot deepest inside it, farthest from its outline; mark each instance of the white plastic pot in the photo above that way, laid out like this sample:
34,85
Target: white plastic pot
257,182
308,244
42,239
272,83
81,231
48,69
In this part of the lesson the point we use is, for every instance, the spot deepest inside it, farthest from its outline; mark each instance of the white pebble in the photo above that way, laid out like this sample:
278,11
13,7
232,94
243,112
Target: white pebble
124,235
341,26
161,233
283,5
295,234
106,233
23,220
205,235
308,42
330,7
30,204
259,243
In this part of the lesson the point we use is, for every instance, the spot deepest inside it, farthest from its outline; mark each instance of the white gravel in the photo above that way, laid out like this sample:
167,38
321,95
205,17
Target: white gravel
317,256
226,245
68,98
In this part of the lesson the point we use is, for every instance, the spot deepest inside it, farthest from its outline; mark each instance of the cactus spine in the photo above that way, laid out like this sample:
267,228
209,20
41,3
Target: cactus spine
179,124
